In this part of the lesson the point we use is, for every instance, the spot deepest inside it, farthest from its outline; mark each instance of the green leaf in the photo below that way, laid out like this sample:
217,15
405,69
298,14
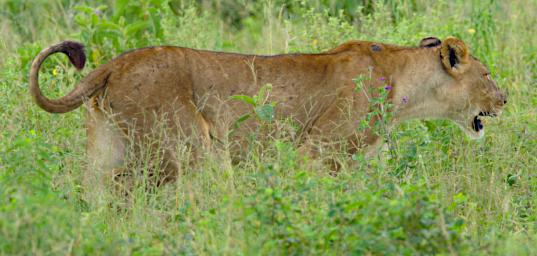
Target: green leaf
263,91
265,112
84,9
135,27
158,3
81,20
120,7
244,98
241,119
109,25
156,20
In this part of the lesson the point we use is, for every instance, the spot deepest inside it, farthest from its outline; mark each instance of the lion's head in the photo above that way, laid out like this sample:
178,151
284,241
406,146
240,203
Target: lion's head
465,90
477,94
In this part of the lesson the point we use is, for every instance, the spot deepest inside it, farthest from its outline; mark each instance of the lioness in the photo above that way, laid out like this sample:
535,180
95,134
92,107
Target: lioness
190,91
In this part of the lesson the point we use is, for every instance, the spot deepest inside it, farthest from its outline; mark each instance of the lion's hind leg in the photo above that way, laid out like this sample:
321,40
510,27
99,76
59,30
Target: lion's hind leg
106,151
186,142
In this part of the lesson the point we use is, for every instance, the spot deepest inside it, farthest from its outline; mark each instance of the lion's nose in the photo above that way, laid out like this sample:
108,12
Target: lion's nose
502,99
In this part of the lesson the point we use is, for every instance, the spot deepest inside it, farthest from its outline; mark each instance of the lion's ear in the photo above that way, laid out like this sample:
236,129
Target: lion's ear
430,42
455,56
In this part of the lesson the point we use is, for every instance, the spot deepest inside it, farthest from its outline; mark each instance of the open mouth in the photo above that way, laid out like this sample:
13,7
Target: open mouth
477,125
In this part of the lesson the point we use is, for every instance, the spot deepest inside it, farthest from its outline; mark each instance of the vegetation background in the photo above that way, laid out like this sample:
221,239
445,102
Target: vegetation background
436,193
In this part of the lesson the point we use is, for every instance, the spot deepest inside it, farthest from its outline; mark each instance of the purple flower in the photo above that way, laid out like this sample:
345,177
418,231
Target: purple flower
382,78
404,100
387,87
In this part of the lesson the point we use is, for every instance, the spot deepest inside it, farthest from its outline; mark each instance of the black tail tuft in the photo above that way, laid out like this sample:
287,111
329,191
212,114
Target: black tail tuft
75,52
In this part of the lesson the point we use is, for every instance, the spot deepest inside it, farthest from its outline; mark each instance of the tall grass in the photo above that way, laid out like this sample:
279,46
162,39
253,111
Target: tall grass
440,193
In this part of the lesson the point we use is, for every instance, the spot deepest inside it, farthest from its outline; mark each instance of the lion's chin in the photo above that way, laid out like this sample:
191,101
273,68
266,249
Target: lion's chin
474,128
475,135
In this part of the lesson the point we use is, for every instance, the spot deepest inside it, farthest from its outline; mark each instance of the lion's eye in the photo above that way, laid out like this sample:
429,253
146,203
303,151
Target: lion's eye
487,75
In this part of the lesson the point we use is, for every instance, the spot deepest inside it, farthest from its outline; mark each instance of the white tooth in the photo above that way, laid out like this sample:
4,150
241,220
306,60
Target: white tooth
481,133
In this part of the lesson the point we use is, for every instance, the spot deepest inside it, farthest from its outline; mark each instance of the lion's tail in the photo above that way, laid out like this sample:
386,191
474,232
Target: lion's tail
87,87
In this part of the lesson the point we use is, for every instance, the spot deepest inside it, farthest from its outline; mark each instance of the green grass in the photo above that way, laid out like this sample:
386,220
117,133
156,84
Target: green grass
439,193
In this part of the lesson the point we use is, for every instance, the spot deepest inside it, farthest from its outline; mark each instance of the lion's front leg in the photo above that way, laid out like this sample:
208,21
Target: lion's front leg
336,134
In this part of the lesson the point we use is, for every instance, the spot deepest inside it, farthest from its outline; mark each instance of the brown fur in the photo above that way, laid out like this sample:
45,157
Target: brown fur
190,90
